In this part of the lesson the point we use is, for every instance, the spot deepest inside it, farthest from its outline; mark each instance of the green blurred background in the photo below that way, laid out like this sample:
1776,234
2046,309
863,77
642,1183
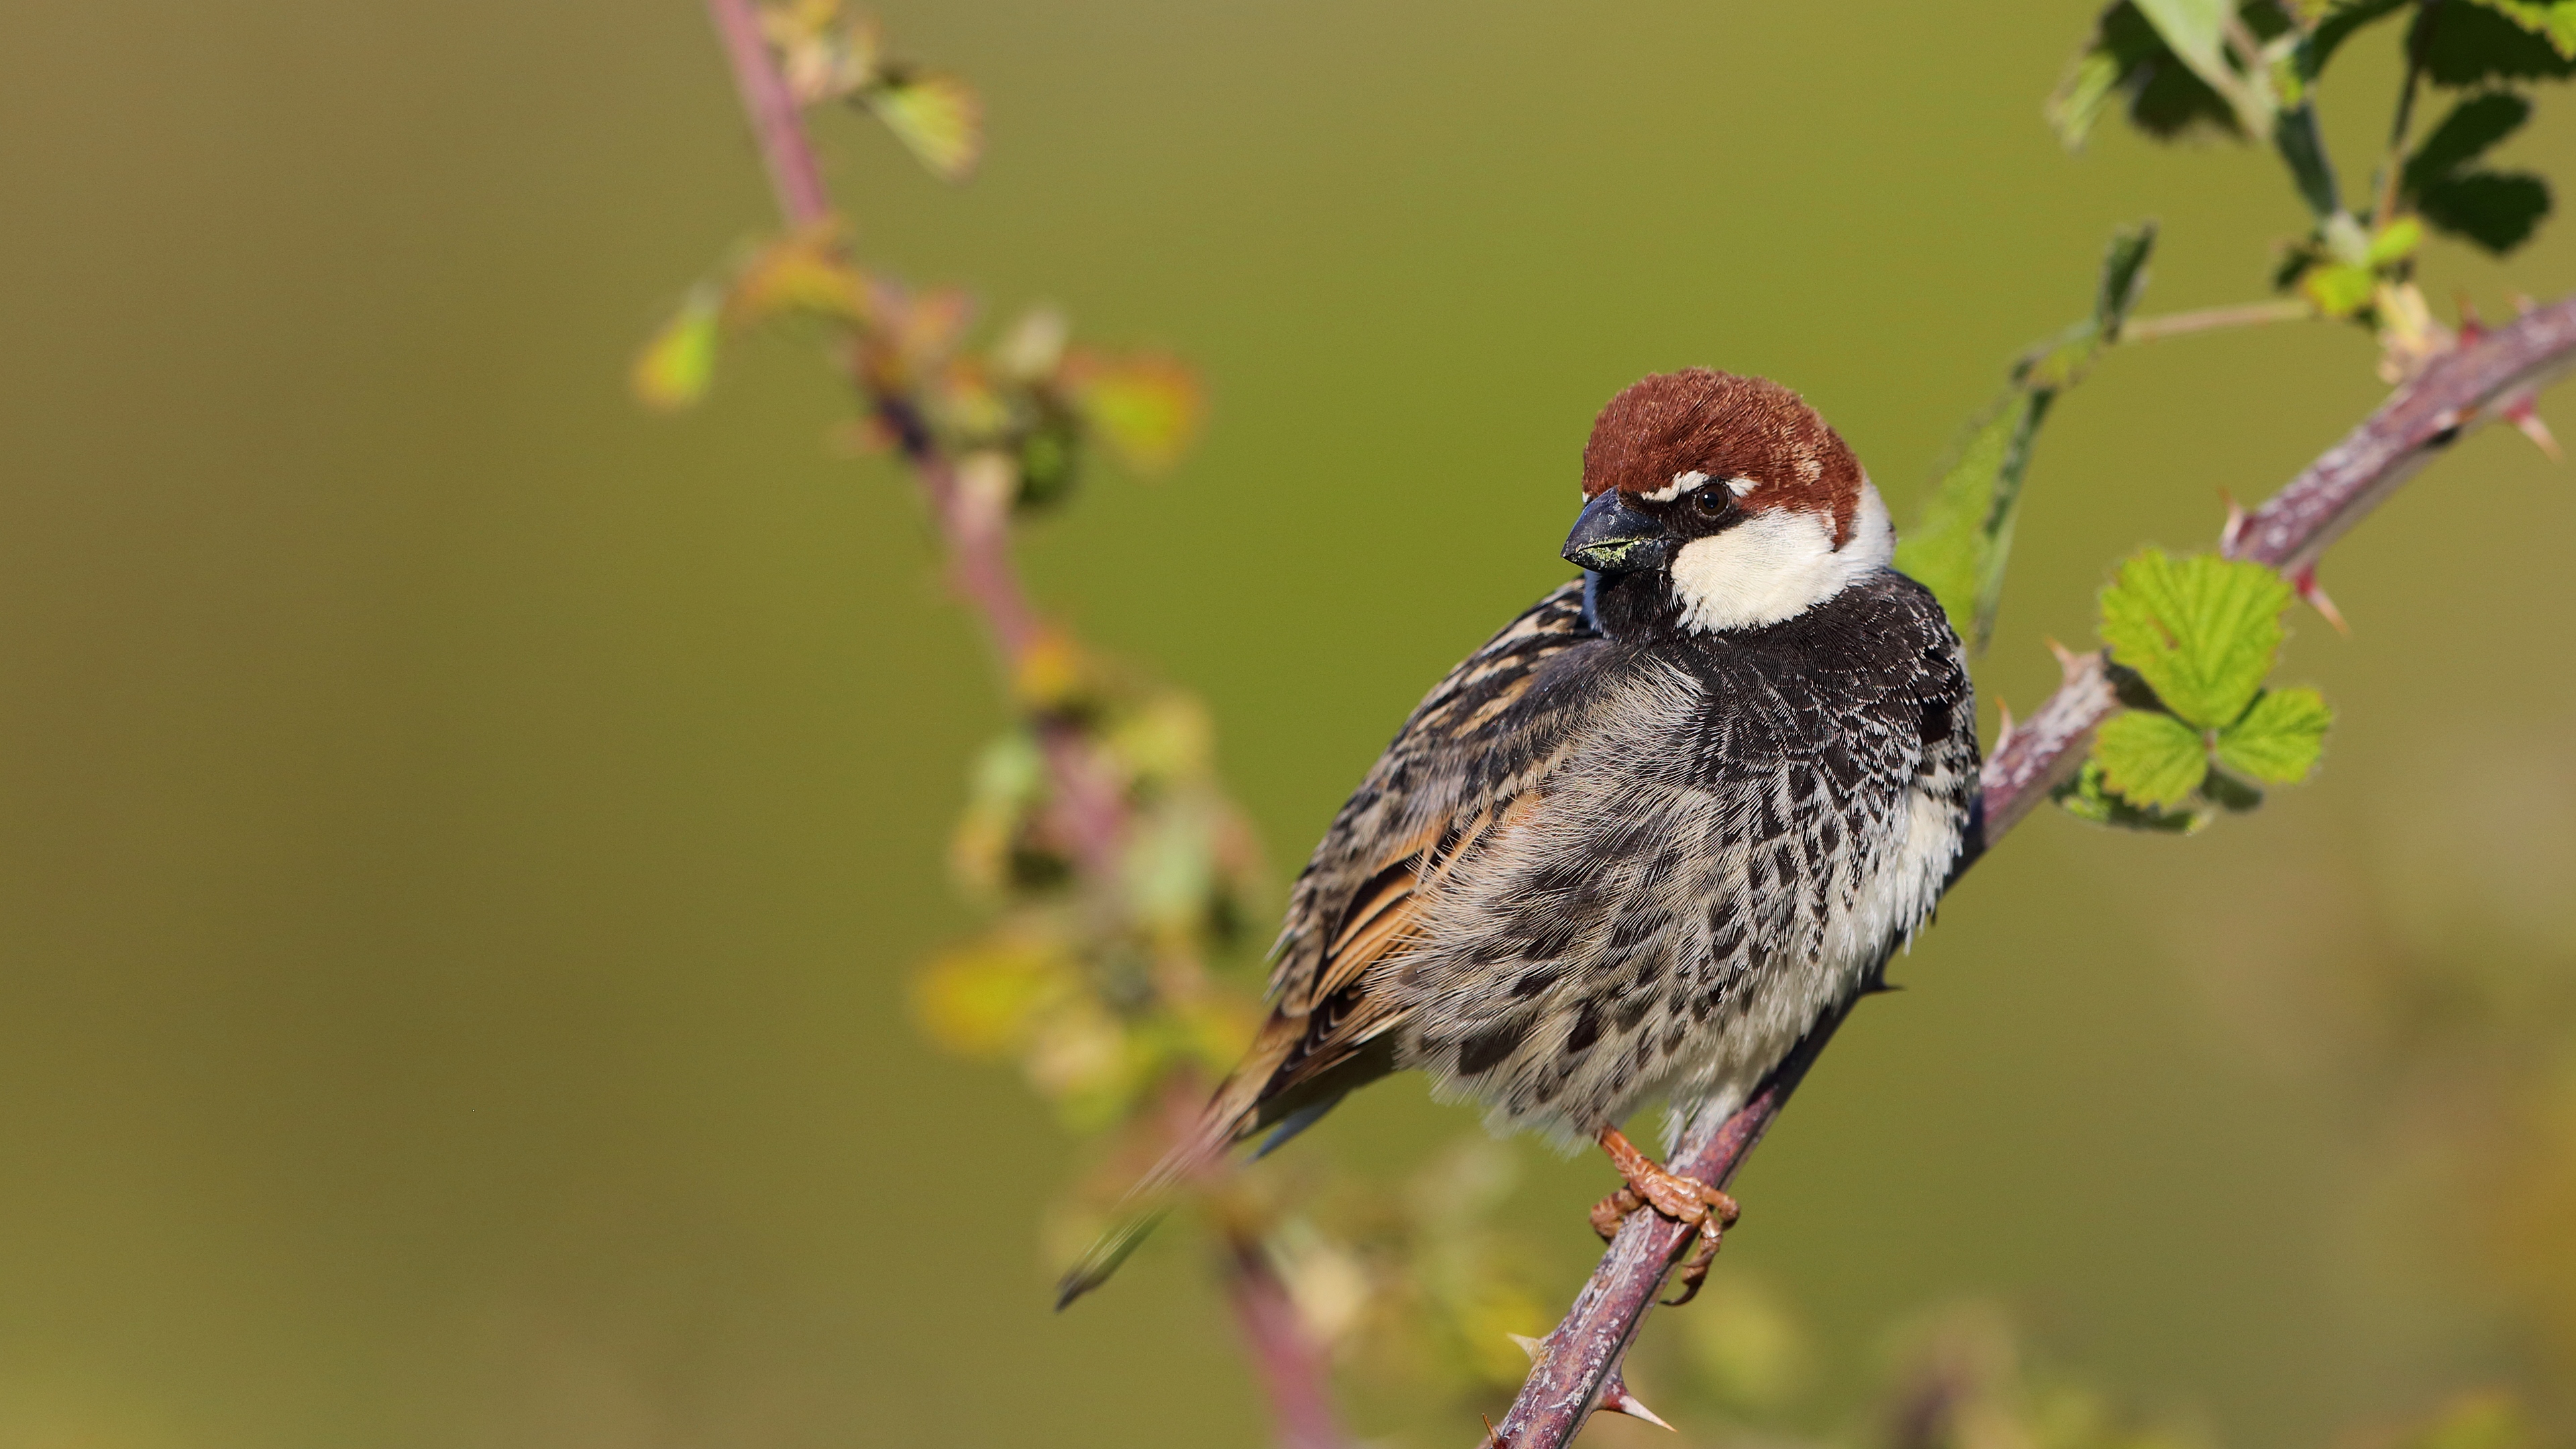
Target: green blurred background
466,840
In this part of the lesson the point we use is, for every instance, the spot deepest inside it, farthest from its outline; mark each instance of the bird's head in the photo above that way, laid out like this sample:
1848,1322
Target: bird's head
1733,491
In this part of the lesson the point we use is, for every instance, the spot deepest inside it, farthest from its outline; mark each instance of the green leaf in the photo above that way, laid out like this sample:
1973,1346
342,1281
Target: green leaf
2339,25
2230,794
937,116
675,367
2086,797
2551,20
1960,545
1146,407
2280,738
2202,631
2472,128
2126,54
2150,759
2472,44
2338,289
1961,542
2498,210
2081,98
2395,242
2303,148
2192,28
2124,277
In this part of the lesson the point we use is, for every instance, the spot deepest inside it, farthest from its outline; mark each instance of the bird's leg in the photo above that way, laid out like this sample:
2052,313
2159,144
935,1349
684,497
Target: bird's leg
1651,1184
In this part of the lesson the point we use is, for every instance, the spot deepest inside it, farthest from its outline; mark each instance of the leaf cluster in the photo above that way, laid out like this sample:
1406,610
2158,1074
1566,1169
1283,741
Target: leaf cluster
826,55
1023,412
2252,70
2197,637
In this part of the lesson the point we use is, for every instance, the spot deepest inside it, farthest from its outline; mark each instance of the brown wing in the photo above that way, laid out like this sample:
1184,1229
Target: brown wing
1462,765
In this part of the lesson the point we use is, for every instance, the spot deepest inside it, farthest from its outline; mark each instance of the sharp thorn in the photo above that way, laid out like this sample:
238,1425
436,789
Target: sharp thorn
1531,1346
2526,421
2004,727
2070,665
2310,590
1492,1440
1616,1398
2471,328
2235,525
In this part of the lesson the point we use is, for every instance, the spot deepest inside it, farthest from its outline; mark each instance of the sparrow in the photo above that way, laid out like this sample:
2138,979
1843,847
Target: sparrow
1646,837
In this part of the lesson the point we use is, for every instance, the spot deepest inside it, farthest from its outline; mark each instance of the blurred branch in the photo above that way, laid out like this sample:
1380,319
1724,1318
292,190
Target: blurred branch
975,536
2210,319
972,529
2487,376
1294,1369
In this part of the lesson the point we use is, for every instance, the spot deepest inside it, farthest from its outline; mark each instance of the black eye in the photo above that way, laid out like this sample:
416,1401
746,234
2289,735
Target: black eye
1712,501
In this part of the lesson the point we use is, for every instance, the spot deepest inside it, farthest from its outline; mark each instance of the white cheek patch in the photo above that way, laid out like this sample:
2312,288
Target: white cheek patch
1777,565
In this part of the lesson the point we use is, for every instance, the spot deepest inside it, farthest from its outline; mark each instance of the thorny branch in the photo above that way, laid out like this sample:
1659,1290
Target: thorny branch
974,533
2486,377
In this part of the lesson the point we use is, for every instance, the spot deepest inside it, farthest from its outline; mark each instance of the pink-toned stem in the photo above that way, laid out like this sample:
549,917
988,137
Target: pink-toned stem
1295,1373
2470,385
975,535
974,532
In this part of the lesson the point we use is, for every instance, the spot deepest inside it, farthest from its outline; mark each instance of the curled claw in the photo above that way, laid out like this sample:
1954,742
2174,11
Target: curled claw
1684,1200
1695,1272
1613,1210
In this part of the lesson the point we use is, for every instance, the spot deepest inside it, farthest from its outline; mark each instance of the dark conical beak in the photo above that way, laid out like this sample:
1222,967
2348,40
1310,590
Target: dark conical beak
1611,538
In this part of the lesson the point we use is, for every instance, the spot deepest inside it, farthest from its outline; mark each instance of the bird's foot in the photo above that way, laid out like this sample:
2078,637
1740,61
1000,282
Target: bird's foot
1684,1200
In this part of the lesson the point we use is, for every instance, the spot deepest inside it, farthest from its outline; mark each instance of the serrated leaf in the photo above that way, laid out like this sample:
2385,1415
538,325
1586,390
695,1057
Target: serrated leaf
2472,128
2150,759
2202,631
2551,20
2475,43
2126,54
937,116
675,367
2086,798
2498,210
1145,407
2280,738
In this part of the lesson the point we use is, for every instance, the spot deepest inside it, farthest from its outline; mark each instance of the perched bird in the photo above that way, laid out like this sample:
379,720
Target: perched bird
1639,842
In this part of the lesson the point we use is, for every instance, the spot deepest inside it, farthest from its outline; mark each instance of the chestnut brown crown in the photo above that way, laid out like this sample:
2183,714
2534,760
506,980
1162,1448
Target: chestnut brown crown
1700,420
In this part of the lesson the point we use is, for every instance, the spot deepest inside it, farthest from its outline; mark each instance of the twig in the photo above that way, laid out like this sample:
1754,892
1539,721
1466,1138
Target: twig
976,539
1295,1372
972,529
2210,319
2456,391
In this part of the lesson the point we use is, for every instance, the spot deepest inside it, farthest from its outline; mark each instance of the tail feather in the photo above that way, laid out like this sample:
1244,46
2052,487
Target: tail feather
1229,1115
